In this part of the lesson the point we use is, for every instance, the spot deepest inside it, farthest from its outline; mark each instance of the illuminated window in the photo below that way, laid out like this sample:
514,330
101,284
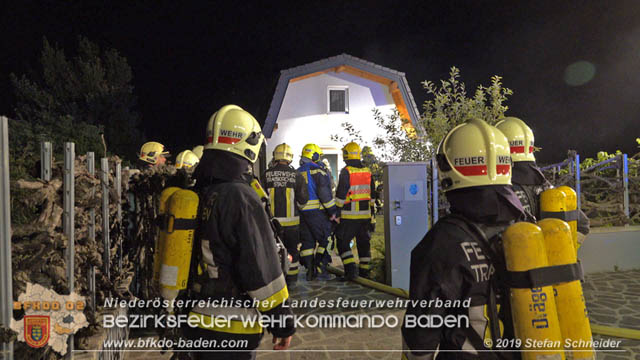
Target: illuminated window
338,99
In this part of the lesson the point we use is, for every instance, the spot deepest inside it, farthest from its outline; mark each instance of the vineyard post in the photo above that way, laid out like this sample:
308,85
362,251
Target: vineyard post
119,209
6,279
625,183
434,189
45,160
69,221
577,163
106,255
91,168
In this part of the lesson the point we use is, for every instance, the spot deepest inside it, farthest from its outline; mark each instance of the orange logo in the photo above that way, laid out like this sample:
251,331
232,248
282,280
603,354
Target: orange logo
36,330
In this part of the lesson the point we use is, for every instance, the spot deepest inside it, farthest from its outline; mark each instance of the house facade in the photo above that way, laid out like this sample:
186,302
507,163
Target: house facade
312,101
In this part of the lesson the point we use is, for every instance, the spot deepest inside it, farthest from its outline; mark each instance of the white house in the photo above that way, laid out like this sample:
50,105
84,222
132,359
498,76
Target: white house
312,101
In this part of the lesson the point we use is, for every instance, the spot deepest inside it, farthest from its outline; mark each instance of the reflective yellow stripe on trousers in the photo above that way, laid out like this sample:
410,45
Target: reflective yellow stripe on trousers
355,212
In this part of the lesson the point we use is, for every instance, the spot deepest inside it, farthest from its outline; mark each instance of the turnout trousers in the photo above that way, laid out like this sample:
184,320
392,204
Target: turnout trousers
290,236
315,228
346,231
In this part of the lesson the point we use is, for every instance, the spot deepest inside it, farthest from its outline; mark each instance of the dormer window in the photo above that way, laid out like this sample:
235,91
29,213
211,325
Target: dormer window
338,99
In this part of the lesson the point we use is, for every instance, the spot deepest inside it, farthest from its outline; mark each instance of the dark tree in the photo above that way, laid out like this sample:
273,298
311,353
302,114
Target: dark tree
76,98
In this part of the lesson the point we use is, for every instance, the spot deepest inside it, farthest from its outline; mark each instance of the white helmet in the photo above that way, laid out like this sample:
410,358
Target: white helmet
474,154
520,138
236,131
186,159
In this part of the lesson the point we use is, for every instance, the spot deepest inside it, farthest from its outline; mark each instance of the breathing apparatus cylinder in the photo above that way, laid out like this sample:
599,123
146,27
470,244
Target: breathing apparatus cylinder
570,302
535,318
561,203
162,234
182,211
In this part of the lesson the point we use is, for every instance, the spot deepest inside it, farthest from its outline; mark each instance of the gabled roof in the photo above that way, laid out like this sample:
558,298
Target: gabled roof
396,81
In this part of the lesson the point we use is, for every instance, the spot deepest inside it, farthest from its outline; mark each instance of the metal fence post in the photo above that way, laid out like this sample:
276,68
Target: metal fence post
577,163
91,169
119,210
104,175
434,196
625,183
46,157
69,221
6,279
570,166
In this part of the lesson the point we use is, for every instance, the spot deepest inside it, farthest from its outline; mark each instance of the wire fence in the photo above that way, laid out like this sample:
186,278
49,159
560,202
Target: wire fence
52,241
608,190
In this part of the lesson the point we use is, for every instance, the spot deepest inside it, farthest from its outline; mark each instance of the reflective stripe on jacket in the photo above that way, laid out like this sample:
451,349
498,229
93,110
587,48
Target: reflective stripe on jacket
287,190
238,251
318,187
353,195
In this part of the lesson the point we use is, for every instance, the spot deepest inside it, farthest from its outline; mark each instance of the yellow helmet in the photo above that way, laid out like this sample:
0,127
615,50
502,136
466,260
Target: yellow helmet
520,138
283,152
351,151
198,151
151,151
474,154
236,131
186,159
312,151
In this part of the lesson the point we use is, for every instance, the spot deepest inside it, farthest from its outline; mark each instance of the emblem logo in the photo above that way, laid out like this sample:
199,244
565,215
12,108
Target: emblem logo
36,330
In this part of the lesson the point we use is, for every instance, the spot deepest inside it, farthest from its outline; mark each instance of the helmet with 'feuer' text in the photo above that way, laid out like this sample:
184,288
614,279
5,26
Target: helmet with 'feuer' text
474,154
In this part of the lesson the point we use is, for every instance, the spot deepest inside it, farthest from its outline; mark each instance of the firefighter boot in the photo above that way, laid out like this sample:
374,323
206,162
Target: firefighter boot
350,272
311,271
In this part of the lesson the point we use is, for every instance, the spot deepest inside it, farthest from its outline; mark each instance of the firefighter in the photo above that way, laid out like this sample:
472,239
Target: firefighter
356,211
186,160
527,179
287,192
316,215
452,261
153,154
327,168
234,249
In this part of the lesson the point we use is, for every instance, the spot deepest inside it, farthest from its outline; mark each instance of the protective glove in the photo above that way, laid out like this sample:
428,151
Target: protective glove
372,224
581,238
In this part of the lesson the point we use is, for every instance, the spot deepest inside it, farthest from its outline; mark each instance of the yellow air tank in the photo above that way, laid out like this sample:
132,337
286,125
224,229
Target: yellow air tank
162,234
182,211
572,309
561,203
535,318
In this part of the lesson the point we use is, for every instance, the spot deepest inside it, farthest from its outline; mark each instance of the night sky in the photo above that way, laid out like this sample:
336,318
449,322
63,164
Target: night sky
188,60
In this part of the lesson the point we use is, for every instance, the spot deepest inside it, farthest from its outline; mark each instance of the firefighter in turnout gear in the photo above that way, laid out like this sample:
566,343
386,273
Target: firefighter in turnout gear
456,260
153,154
316,215
235,258
527,179
287,192
355,202
187,160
